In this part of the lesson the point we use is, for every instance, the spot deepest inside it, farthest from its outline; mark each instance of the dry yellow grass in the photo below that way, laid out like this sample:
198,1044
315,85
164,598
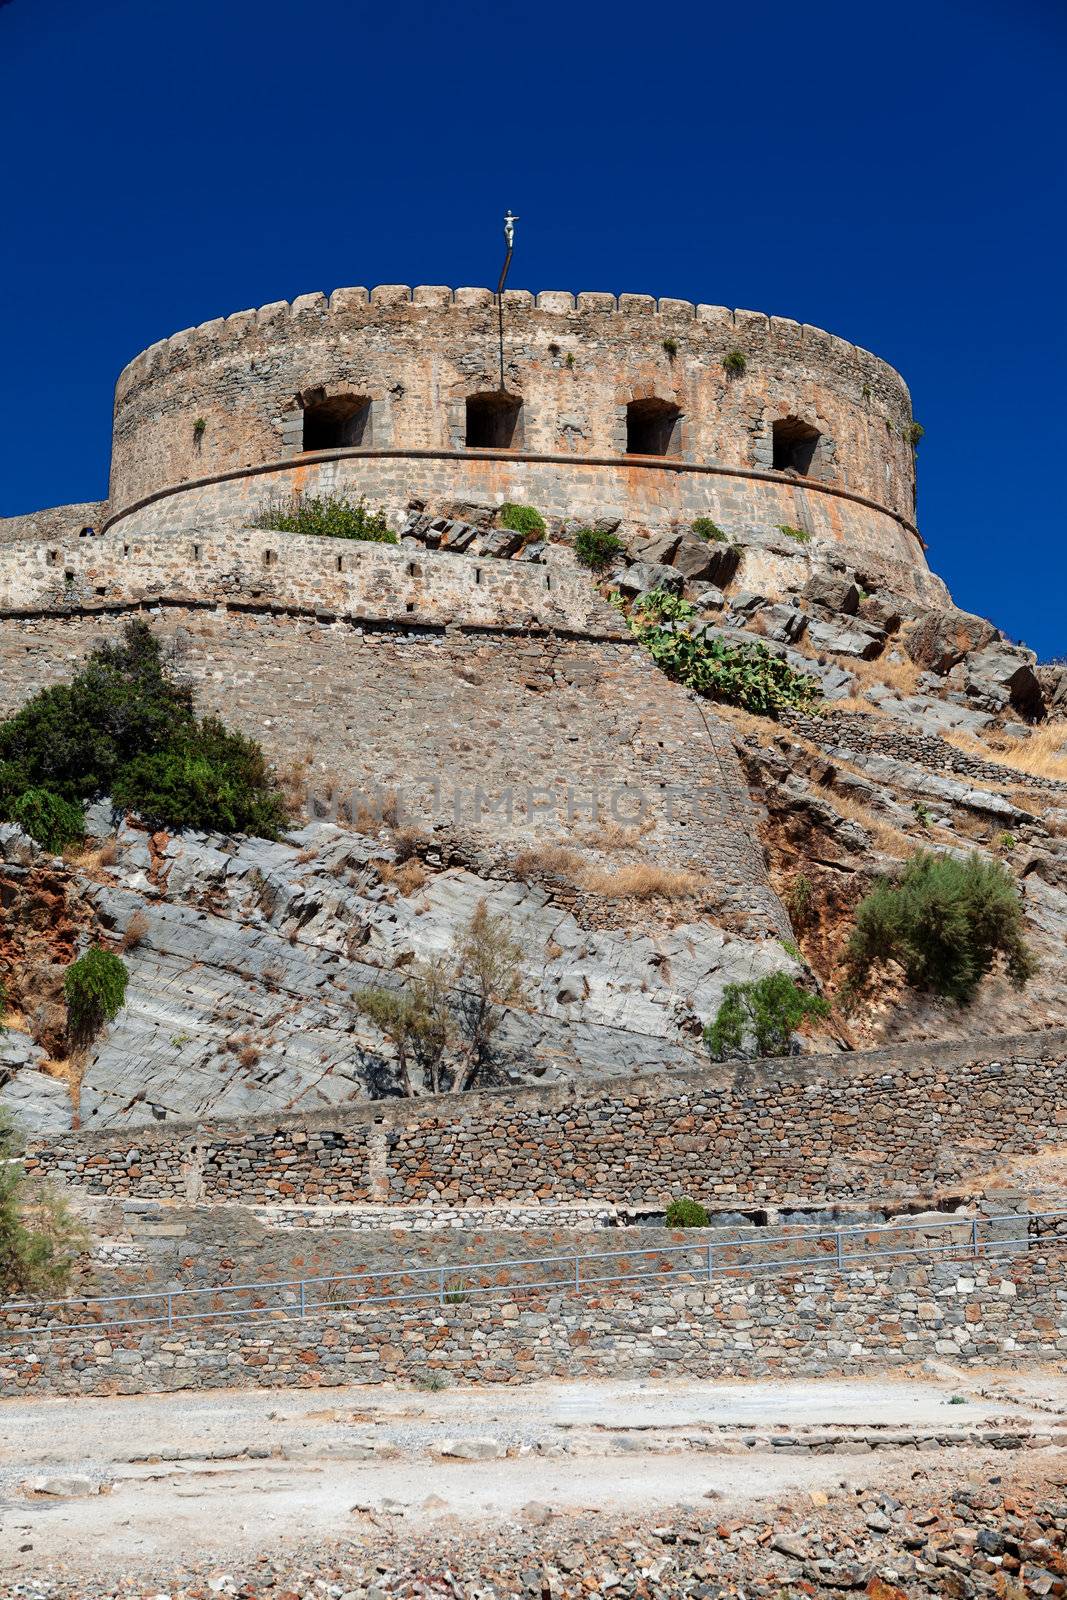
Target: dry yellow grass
640,881
557,860
900,676
405,876
890,839
1043,755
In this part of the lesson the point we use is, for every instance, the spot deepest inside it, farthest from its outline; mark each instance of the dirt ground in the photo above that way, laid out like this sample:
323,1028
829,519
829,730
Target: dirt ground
137,1485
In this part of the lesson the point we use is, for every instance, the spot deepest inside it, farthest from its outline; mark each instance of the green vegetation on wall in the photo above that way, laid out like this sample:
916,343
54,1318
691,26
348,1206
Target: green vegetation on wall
595,549
325,516
126,727
40,1240
526,520
747,675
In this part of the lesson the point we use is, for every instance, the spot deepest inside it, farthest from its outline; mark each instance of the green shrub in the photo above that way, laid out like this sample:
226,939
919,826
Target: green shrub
671,347
52,822
74,738
922,813
521,519
945,921
199,429
792,950
800,535
704,528
686,1214
758,1018
913,432
207,778
95,991
746,675
326,516
595,549
40,1240
1005,841
124,727
735,362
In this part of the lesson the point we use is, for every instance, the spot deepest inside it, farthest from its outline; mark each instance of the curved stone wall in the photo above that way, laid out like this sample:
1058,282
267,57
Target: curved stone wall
212,404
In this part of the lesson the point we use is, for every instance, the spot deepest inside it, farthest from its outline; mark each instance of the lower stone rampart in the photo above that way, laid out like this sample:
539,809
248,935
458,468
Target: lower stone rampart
805,1323
650,496
917,1120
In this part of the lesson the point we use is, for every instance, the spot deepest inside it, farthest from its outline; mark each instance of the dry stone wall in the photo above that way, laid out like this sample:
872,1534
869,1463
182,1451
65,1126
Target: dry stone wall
805,1323
892,1124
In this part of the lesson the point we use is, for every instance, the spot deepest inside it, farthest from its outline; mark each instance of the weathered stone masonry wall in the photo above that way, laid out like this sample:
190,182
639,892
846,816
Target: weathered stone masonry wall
574,363
809,1322
914,1121
541,690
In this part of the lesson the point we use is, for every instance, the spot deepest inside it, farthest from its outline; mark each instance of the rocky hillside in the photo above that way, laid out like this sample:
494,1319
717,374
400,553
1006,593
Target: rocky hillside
246,957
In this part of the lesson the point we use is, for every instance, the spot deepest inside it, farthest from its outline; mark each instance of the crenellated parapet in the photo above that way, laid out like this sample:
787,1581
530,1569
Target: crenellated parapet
650,411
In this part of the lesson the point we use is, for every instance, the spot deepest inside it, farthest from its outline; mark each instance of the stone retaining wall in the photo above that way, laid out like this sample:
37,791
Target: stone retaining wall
1006,1313
911,1121
857,732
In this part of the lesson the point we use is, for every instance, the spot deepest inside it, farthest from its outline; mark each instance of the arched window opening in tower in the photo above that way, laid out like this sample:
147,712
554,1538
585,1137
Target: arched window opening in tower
795,443
494,421
653,428
339,422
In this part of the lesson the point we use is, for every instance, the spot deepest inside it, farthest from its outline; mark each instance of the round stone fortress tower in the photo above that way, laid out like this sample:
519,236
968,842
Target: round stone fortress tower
651,412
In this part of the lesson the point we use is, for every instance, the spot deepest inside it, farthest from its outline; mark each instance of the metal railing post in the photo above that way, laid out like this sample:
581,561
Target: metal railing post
577,1274
974,1236
441,1286
840,1251
711,1260
303,1299
170,1311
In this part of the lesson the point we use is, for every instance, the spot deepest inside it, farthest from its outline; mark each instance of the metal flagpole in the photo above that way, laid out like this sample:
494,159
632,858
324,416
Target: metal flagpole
509,240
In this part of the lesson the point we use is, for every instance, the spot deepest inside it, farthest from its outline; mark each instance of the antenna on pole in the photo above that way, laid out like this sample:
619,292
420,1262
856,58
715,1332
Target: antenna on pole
509,241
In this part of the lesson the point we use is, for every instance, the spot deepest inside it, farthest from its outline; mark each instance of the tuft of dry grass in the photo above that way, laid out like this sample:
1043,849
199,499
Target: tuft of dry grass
407,877
136,929
641,881
890,839
1043,755
901,676
616,836
93,861
248,1057
555,860
407,841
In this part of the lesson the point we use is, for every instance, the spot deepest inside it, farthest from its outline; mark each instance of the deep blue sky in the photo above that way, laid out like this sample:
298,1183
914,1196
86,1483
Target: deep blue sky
892,173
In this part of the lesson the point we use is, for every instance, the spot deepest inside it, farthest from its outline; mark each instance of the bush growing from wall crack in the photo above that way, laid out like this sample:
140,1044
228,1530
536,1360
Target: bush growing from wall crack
526,520
704,528
326,516
95,992
686,1214
758,1018
595,549
945,921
